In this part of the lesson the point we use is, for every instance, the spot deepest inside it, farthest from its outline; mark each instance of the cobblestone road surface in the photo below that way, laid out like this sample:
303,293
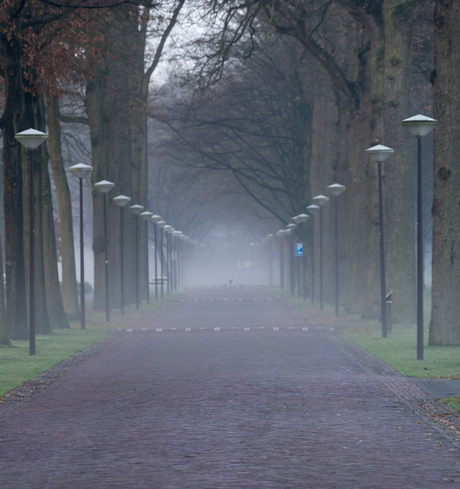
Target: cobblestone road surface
228,389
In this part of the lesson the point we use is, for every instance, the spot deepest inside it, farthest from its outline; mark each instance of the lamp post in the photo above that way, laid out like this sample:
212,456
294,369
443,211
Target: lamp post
81,170
166,230
380,153
271,256
321,200
122,201
280,236
300,219
155,219
336,189
176,258
295,250
103,187
313,209
146,216
161,224
419,126
31,139
291,228
136,209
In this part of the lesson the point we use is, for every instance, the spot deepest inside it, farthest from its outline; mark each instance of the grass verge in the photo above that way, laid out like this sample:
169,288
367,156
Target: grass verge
17,366
398,350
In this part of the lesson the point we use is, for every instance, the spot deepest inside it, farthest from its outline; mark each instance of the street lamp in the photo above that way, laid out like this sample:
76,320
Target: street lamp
419,126
280,235
320,200
271,256
155,219
380,153
161,224
122,201
80,170
146,215
136,209
313,210
103,187
336,189
300,219
291,228
168,230
31,139
176,258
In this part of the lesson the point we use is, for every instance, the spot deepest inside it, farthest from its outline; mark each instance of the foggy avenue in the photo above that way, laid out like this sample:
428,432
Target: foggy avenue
229,387
229,244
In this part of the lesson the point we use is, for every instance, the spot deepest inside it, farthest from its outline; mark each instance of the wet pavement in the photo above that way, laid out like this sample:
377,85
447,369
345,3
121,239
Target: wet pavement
229,388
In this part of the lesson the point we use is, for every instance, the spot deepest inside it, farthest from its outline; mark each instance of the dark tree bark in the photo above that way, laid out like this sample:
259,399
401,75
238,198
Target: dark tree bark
12,190
445,315
116,102
4,337
69,280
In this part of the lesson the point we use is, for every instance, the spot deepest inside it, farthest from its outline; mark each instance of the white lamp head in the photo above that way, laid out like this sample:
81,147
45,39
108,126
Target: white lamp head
122,200
146,215
313,209
302,218
31,138
379,152
136,209
336,189
104,186
320,200
419,125
80,170
155,218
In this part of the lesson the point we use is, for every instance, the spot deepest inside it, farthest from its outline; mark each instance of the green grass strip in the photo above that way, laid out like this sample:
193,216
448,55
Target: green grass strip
399,349
17,366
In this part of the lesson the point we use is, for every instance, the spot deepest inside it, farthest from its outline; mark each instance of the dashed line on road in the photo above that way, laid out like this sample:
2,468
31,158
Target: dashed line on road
230,328
204,299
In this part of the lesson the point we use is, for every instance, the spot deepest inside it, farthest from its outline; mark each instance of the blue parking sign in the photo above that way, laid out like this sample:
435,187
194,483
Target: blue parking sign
299,249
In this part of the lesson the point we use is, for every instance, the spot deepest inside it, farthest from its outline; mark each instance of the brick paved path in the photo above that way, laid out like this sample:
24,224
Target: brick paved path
220,402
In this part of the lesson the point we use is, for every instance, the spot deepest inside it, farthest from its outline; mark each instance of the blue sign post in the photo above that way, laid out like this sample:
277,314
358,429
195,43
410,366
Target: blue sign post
299,249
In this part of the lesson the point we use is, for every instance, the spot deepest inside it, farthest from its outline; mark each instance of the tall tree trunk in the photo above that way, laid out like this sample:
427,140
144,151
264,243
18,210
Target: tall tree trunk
69,279
4,337
399,168
445,313
12,191
383,104
56,314
111,160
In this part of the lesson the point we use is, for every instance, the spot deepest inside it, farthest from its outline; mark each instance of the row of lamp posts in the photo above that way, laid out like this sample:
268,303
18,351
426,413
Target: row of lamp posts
319,201
418,126
31,139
